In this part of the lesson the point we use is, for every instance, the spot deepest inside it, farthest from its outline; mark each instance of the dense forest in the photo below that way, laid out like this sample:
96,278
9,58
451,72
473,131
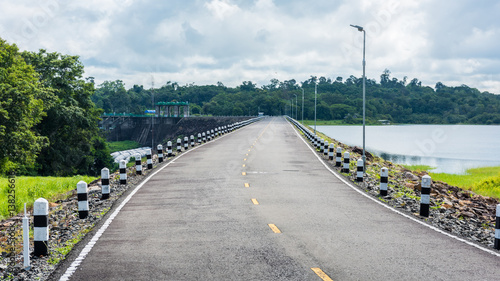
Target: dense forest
49,112
390,99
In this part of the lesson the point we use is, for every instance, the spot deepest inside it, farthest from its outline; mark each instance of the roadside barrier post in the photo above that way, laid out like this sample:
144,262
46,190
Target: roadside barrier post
169,149
425,196
160,153
322,146
83,203
325,148
26,240
360,171
41,227
123,172
330,152
338,157
179,145
138,164
104,183
209,137
192,140
384,179
204,136
212,134
497,228
149,159
198,140
345,169
186,143
216,132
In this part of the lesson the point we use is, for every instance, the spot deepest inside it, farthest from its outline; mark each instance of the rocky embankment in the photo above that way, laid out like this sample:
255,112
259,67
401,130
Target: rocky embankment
460,212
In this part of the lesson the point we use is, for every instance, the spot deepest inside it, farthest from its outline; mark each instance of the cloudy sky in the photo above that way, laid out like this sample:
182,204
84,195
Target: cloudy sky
206,41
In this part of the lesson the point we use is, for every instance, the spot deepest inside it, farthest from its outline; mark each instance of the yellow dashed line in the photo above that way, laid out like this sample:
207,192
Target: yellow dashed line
321,274
255,202
274,228
243,173
247,185
245,159
243,165
246,154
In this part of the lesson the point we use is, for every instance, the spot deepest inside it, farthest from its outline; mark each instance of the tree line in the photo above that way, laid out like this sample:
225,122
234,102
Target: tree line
398,101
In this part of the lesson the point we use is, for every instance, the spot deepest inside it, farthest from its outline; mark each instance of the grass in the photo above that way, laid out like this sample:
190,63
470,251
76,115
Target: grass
419,168
122,145
28,189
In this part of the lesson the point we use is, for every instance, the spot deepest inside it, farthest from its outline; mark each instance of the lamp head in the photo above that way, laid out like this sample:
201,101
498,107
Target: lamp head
360,28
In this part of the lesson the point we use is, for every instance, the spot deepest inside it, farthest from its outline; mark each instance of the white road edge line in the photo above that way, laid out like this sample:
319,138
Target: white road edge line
74,265
388,207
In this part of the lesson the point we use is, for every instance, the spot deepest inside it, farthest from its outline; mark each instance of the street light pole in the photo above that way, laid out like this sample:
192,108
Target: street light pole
315,98
361,29
302,106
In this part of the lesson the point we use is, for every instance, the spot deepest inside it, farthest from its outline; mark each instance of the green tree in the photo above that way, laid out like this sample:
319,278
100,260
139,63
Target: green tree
70,124
21,108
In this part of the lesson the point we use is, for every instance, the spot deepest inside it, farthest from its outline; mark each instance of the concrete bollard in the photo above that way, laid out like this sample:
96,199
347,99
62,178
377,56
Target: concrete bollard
192,140
104,183
41,227
347,159
123,172
497,228
384,179
212,134
138,164
169,149
198,140
325,148
338,159
359,171
216,132
149,158
186,143
83,203
425,196
204,137
179,145
160,153
209,137
321,146
330,152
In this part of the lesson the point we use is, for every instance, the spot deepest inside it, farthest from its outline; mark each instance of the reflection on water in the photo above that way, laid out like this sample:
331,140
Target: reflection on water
448,148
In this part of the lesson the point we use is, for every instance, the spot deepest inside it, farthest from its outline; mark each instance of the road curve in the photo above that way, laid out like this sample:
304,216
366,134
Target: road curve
258,205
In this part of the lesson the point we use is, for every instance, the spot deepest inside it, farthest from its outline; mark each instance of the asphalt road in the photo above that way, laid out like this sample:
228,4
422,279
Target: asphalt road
213,214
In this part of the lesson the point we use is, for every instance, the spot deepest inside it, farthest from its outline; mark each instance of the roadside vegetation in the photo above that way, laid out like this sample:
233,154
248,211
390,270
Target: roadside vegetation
122,145
28,189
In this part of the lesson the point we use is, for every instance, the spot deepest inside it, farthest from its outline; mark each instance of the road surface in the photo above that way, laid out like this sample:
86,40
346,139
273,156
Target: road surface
257,204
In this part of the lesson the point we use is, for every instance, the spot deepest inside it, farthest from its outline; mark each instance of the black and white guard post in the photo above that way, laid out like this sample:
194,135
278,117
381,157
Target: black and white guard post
179,145
384,180
123,172
169,149
497,228
322,146
138,164
104,183
330,152
347,159
204,137
160,153
186,143
216,132
41,227
425,196
325,148
198,140
192,140
212,134
209,138
83,203
359,171
149,158
338,157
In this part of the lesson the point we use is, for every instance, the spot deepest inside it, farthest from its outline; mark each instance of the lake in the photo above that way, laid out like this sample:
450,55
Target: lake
450,148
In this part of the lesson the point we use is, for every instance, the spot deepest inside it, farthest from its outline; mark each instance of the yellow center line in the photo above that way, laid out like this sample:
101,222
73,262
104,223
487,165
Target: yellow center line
255,202
243,166
246,154
321,274
243,173
274,228
247,185
245,159
249,150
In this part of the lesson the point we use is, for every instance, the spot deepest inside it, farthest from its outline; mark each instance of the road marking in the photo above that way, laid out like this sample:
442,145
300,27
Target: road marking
243,173
321,274
255,202
247,185
243,165
386,206
244,159
249,150
274,228
246,154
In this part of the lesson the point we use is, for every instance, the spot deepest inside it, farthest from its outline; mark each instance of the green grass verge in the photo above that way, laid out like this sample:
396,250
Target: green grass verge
484,181
28,189
419,168
122,145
